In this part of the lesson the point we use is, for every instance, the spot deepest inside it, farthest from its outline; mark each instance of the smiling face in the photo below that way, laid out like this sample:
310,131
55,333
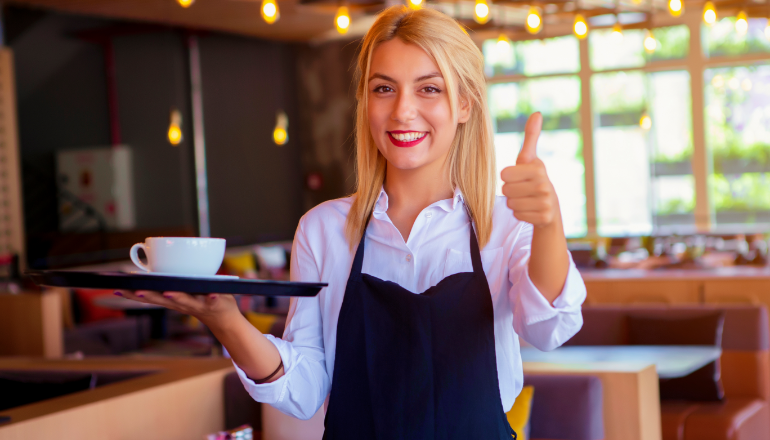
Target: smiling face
409,108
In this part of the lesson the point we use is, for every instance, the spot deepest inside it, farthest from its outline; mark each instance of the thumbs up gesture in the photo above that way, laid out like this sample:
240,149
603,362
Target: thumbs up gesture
530,193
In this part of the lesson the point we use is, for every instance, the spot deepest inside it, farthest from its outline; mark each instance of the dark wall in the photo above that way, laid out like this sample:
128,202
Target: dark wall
255,187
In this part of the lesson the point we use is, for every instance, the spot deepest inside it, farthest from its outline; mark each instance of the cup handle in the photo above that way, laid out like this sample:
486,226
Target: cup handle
135,256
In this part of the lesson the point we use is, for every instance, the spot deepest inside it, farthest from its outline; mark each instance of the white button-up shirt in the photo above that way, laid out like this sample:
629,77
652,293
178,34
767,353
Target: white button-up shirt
438,246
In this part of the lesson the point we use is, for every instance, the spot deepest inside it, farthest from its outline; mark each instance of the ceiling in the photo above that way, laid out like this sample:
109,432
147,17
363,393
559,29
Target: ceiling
297,23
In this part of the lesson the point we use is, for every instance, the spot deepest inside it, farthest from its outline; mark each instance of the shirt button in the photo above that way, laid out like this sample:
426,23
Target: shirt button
429,214
408,257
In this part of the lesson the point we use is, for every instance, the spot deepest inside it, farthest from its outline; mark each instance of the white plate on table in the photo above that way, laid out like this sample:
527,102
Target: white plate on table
187,275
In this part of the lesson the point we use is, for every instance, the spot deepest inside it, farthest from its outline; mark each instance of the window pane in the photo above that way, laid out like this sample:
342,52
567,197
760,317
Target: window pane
533,57
721,39
673,43
642,152
609,51
670,139
738,138
560,144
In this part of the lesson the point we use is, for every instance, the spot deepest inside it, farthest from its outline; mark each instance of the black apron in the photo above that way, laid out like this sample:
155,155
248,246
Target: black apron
416,366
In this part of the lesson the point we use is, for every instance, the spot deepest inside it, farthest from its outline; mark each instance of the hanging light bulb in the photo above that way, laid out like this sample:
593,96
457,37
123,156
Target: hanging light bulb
415,4
534,20
481,11
645,121
342,20
270,11
709,13
675,7
767,29
580,27
617,30
175,128
650,43
503,43
185,3
280,135
742,23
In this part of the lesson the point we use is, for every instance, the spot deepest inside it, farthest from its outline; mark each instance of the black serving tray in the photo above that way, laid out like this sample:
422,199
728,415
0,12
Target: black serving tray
196,286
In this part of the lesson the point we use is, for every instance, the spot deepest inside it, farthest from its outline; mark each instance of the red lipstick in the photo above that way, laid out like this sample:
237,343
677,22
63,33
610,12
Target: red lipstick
405,144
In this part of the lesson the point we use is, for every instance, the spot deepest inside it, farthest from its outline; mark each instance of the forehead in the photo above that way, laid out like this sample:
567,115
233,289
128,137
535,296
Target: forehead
401,61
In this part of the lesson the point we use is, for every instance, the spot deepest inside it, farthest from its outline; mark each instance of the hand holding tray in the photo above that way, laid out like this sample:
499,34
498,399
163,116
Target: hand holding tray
179,283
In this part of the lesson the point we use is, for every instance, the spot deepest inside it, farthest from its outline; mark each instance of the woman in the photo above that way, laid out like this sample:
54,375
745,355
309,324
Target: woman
415,336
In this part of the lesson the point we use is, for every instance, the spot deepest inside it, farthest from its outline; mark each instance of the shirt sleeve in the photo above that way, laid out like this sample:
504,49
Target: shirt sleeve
541,324
302,389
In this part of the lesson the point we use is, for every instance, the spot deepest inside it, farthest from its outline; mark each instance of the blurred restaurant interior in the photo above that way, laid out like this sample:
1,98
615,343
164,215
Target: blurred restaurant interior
126,119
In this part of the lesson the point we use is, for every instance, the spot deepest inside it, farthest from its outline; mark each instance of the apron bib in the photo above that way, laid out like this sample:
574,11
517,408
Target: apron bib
416,366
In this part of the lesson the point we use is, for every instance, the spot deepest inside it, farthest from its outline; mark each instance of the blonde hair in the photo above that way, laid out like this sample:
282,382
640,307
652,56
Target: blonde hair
471,159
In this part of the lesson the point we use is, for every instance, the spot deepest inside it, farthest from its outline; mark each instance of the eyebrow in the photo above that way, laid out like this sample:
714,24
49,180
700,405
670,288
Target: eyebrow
422,78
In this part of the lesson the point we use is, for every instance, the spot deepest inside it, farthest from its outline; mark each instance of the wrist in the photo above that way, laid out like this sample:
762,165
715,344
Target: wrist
222,322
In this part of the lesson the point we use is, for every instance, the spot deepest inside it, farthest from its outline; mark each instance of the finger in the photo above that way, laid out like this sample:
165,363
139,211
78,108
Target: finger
524,189
184,300
528,151
523,172
132,295
529,204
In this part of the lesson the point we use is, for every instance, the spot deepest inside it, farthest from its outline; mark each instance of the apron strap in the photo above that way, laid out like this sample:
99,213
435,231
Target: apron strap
478,268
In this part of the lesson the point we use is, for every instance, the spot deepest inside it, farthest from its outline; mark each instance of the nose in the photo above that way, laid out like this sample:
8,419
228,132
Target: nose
404,110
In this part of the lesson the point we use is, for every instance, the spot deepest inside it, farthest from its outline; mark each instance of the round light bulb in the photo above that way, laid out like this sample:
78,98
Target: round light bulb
617,31
645,122
580,27
650,43
675,7
270,11
342,20
534,21
174,135
503,43
709,13
415,3
280,136
767,30
481,11
185,3
742,23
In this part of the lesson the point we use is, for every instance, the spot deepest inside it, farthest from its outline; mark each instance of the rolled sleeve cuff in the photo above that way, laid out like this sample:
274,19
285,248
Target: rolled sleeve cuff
273,392
569,300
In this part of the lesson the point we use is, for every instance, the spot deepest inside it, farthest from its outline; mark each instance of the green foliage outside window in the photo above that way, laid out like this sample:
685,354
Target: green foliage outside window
673,43
721,39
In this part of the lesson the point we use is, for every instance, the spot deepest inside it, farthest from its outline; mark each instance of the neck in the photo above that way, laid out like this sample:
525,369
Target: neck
414,190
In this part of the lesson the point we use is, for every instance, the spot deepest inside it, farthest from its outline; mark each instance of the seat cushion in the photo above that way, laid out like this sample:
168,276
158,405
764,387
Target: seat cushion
672,418
732,419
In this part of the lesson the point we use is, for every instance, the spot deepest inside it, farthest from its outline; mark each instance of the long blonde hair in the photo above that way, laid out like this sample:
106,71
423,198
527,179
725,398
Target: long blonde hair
471,158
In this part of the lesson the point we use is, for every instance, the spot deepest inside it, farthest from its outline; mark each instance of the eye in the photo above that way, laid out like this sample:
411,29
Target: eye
431,89
382,89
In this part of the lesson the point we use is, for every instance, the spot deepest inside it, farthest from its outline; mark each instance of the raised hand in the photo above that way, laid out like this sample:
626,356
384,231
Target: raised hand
530,193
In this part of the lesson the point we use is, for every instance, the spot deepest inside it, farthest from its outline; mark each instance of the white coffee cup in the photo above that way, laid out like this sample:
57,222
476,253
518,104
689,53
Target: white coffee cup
180,255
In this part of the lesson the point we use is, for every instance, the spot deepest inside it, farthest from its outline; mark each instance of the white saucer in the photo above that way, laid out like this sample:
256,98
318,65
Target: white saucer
185,275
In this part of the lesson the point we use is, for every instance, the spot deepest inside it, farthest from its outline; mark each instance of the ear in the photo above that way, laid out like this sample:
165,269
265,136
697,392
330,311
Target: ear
464,110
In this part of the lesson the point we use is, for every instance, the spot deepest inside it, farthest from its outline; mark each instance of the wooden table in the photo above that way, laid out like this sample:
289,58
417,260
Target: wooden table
182,399
725,285
670,361
630,393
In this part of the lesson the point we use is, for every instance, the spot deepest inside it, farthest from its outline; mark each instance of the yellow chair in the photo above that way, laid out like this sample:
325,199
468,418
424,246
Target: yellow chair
518,416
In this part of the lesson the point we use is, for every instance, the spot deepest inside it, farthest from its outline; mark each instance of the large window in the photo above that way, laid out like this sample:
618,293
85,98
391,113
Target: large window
650,174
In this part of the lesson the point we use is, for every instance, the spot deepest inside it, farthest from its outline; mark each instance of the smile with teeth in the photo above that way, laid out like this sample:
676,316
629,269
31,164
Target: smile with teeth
408,137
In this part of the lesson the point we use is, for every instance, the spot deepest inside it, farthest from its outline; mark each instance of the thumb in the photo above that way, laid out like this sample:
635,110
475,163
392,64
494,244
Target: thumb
528,151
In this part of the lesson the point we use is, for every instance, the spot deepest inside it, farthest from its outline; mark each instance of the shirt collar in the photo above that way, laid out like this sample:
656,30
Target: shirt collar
381,206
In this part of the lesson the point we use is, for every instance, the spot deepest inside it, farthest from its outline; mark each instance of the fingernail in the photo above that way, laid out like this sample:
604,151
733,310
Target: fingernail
117,293
140,295
168,296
